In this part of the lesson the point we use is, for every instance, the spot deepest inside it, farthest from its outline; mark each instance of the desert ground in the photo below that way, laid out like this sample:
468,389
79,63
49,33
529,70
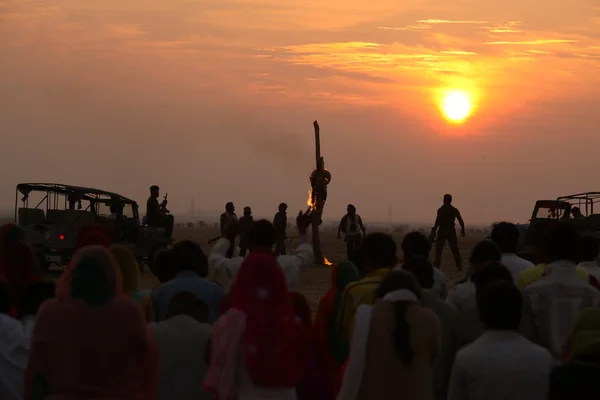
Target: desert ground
315,280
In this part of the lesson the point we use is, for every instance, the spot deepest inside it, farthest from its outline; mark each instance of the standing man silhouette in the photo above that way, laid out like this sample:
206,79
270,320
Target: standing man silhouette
280,225
227,218
445,231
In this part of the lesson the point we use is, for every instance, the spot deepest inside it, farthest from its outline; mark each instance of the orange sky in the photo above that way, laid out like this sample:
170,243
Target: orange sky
215,100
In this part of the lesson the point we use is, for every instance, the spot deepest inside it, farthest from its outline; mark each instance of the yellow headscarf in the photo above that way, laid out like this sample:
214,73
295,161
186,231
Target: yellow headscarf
130,270
586,333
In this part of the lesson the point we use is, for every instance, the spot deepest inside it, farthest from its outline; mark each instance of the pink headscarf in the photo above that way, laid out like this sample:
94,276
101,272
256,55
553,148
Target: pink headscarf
262,327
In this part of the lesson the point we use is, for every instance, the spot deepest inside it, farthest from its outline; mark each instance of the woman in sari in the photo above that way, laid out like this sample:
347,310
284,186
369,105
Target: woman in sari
315,384
260,345
331,345
130,271
91,342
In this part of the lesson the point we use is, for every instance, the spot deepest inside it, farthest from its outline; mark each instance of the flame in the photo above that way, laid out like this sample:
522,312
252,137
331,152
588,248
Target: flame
309,202
326,261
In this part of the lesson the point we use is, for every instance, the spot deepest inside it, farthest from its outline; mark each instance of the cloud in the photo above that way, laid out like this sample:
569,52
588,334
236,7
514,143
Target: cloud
533,42
405,28
446,21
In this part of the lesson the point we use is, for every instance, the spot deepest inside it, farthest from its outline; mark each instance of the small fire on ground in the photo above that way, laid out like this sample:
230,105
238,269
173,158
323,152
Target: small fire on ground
326,261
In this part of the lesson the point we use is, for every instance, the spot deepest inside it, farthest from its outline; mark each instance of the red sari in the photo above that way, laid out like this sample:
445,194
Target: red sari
332,350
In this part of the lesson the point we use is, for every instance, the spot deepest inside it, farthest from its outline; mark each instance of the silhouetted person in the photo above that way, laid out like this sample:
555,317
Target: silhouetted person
226,218
576,213
245,225
280,225
319,179
157,214
445,230
354,230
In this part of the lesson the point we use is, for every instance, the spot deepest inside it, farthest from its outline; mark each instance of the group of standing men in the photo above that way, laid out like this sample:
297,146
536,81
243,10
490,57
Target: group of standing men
351,226
245,223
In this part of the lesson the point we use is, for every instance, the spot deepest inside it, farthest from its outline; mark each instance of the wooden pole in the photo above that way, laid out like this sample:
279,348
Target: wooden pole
318,212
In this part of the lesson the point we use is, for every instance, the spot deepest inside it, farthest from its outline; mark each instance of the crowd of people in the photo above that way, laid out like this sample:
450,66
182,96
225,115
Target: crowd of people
387,328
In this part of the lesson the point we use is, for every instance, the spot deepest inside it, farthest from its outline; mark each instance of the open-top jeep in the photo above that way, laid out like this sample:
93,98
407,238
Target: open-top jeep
52,215
562,208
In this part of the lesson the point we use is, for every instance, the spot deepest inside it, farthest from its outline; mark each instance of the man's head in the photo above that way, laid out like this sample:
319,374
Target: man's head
500,306
161,266
422,269
485,252
186,303
397,280
447,199
490,273
415,244
229,207
247,211
576,212
378,251
589,248
35,295
188,256
559,241
261,235
351,209
506,236
283,207
154,191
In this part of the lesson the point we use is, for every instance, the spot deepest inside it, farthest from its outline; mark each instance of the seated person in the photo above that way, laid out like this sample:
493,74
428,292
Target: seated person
156,214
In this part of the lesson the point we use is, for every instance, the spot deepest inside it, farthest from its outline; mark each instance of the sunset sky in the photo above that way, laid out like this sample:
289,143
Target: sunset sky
214,100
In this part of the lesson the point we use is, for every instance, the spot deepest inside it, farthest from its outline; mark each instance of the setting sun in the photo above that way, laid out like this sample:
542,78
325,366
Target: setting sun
456,106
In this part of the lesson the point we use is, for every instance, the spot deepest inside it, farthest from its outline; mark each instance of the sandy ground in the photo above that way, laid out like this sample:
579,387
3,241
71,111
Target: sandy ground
315,281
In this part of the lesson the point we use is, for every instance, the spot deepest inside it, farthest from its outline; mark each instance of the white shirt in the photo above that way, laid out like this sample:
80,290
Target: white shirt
501,365
553,303
515,264
591,267
468,323
291,264
14,356
182,342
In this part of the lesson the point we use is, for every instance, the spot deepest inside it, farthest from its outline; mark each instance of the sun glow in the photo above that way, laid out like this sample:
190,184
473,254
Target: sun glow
456,106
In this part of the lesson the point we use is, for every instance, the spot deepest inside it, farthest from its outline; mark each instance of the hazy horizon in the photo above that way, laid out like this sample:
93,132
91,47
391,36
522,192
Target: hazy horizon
215,101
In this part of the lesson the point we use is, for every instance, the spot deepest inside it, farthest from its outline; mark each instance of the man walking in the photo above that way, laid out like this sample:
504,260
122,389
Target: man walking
354,230
445,231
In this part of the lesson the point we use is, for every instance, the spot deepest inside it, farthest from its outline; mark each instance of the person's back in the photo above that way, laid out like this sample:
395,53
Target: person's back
183,341
422,269
506,236
553,303
446,217
402,346
501,364
115,366
189,258
379,255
